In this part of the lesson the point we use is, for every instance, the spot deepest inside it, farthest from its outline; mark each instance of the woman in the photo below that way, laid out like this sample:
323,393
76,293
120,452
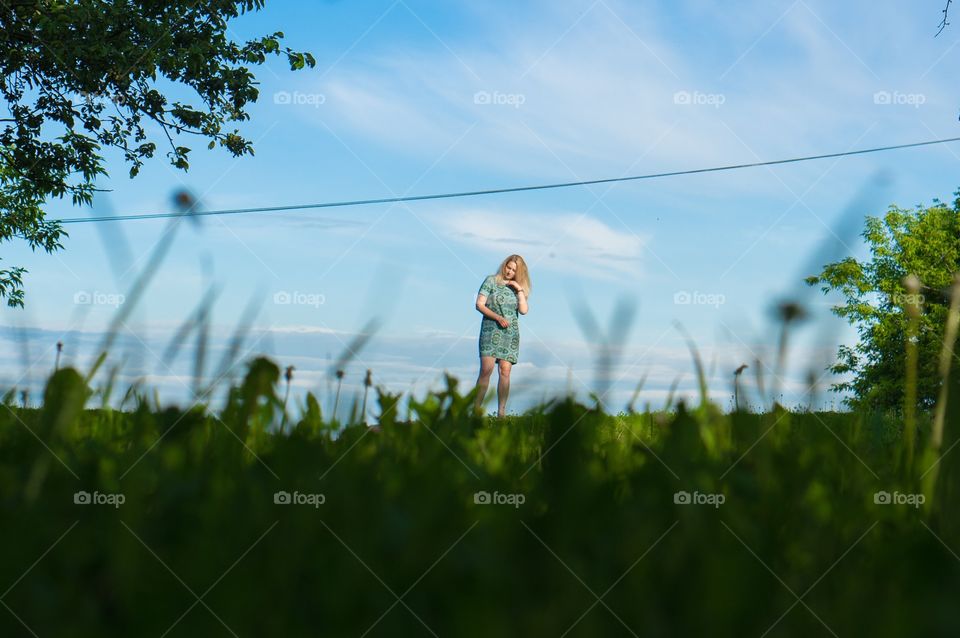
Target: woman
500,298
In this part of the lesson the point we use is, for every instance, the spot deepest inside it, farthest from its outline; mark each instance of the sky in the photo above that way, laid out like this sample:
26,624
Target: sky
412,98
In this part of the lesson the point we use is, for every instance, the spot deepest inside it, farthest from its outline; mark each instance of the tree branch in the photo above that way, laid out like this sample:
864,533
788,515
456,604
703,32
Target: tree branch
943,23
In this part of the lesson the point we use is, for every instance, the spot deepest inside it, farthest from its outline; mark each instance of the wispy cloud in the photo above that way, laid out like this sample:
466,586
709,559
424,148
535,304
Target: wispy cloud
564,241
591,103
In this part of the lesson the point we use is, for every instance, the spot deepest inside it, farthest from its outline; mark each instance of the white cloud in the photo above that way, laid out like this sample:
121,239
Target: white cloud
565,241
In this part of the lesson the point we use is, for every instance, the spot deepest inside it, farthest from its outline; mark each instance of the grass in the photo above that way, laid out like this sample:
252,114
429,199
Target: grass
399,544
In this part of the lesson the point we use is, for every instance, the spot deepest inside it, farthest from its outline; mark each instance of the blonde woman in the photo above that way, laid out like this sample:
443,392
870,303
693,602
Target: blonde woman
500,298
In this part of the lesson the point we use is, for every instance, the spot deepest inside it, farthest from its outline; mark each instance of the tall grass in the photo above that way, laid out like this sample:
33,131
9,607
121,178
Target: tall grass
599,517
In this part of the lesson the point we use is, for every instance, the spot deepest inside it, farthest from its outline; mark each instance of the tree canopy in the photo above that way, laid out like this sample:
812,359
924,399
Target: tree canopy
924,243
80,76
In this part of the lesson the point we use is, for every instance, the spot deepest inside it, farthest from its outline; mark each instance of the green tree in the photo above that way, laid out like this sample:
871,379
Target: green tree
81,76
924,242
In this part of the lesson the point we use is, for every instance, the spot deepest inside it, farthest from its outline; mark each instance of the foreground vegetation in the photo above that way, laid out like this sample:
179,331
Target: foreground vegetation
564,521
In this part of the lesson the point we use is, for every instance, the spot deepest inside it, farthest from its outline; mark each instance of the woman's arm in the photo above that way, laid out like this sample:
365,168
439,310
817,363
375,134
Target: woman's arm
521,297
482,307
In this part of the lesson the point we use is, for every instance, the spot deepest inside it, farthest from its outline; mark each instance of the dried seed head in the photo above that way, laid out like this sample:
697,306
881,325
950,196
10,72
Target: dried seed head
183,200
791,311
912,283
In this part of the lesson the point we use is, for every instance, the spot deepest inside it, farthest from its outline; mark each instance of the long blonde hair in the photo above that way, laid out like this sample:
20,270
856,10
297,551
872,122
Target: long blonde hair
522,275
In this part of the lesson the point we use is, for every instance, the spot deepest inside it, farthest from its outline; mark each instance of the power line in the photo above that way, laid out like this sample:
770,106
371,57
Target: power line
495,191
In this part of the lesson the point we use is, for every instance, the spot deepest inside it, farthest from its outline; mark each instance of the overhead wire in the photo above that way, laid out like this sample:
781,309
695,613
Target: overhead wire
494,191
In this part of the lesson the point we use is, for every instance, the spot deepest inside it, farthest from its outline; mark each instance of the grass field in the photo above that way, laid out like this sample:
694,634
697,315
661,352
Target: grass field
563,521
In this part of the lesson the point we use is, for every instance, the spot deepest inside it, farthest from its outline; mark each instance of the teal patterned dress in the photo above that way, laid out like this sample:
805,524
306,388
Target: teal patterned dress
501,343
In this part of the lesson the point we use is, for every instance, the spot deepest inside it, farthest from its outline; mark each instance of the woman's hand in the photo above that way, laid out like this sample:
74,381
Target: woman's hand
513,284
502,321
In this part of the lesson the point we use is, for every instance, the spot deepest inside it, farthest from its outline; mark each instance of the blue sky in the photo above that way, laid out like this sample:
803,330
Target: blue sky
416,97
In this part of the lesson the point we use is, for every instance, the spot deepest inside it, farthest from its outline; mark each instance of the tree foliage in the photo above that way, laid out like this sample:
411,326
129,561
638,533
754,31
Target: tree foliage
924,242
82,76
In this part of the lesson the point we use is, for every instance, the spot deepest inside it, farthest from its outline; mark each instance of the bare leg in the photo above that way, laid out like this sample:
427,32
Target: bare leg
503,387
483,381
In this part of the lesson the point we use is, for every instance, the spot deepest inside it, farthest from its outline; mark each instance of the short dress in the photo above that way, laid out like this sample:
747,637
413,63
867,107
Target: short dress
501,343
